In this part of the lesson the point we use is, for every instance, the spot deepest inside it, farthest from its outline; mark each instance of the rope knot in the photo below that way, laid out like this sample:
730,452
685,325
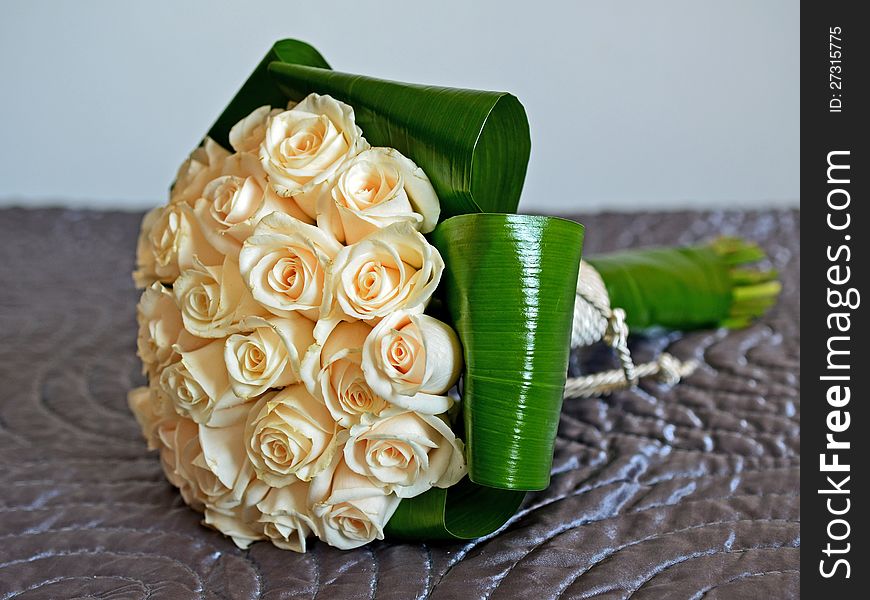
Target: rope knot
595,320
669,369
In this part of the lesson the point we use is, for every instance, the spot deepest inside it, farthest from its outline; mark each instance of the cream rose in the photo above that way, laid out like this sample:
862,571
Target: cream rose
170,241
198,385
248,134
285,516
412,360
174,435
213,300
331,371
201,166
219,478
306,145
151,407
159,327
217,462
240,522
405,452
145,272
208,464
284,265
188,397
227,479
234,202
377,187
349,511
394,268
269,356
161,331
290,435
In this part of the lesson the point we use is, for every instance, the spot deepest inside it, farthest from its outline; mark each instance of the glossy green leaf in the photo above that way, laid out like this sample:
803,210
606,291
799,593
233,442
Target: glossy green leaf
462,512
509,285
261,88
473,145
689,288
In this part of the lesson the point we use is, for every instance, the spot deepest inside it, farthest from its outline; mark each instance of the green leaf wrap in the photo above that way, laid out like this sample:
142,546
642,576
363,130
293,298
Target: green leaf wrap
693,287
462,512
677,288
509,285
473,145
261,88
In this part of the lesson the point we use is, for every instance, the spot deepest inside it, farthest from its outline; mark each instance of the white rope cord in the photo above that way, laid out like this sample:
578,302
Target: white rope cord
591,309
595,320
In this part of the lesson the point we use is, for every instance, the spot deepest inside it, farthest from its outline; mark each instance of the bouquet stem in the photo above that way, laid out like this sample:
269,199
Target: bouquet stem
710,285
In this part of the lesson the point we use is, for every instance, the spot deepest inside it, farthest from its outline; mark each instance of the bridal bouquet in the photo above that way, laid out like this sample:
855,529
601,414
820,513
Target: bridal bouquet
296,385
335,256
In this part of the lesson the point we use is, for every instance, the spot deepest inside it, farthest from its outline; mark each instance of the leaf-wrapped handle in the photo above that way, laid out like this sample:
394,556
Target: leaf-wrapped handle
509,286
709,285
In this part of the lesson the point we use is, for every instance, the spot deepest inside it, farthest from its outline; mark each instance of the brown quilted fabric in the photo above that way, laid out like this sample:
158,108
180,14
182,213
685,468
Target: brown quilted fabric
657,493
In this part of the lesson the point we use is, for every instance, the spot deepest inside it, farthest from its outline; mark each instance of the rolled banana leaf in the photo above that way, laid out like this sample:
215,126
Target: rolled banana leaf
694,287
474,145
509,286
462,512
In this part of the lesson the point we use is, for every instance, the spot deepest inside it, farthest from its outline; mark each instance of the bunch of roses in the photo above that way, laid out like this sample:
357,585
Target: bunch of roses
295,385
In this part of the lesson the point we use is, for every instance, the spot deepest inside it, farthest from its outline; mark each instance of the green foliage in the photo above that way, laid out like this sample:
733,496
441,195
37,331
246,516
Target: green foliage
473,145
693,287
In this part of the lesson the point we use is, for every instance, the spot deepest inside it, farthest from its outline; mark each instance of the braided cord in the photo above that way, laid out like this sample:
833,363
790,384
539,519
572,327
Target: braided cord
595,320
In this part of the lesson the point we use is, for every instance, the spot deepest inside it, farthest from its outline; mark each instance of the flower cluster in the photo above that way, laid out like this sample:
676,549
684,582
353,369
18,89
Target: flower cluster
296,386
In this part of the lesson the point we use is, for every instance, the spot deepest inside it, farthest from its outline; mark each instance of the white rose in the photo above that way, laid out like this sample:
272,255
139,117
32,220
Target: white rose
159,327
248,134
405,452
170,241
284,265
240,522
201,166
412,360
306,145
161,330
175,434
227,479
290,435
216,474
188,397
394,268
377,187
349,511
217,461
331,371
234,202
146,265
269,356
150,406
208,464
285,516
198,385
214,299
222,479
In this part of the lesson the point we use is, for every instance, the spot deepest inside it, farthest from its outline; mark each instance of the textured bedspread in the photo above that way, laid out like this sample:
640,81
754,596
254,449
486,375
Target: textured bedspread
687,492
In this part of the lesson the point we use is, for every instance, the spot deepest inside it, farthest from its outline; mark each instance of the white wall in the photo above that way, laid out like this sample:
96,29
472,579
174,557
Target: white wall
673,103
